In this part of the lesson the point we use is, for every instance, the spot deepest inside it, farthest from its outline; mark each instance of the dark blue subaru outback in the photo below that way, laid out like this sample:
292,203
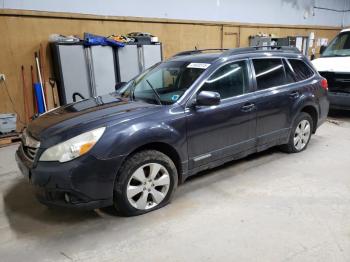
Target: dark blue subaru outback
195,111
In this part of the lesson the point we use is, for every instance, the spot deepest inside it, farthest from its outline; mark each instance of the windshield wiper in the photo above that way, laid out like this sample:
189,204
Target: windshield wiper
155,92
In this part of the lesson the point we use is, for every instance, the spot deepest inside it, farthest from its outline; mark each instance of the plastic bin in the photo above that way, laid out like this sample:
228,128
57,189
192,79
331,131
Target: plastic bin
7,123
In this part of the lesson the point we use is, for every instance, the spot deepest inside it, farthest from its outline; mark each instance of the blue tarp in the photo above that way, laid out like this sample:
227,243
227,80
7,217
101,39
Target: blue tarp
91,39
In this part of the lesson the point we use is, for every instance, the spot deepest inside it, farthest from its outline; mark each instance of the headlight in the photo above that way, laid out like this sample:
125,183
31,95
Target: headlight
73,147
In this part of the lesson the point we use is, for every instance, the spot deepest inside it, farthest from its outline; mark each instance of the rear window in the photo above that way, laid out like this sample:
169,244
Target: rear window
301,70
269,72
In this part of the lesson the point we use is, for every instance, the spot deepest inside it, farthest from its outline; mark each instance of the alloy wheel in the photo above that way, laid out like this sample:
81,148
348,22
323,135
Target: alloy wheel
148,186
302,134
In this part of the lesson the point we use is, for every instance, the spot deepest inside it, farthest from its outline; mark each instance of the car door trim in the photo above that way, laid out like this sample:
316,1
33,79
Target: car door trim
195,159
218,161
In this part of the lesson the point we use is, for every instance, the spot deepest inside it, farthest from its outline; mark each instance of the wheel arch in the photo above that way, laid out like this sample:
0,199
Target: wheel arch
307,105
164,148
312,111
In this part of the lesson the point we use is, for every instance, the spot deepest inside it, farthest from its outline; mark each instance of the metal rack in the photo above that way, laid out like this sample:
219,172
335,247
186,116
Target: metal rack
234,51
198,51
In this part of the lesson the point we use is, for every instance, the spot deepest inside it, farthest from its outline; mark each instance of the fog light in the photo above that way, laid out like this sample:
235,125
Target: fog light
66,197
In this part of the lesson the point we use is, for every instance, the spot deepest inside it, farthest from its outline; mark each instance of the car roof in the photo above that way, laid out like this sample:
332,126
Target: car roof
345,30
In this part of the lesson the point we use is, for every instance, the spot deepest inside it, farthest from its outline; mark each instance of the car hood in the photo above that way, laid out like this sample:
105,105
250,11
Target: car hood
332,64
88,114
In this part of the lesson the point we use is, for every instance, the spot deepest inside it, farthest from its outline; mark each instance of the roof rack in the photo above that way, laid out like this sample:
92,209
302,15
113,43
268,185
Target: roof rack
287,49
241,50
198,51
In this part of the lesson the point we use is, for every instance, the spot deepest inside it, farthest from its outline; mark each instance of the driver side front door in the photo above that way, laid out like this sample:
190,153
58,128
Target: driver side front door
216,133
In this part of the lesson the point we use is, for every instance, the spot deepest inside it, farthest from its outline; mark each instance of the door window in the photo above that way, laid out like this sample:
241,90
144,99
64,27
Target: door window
269,72
301,70
290,77
230,80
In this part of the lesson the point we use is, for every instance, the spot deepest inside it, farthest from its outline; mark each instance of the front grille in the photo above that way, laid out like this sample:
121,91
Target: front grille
29,146
29,152
337,82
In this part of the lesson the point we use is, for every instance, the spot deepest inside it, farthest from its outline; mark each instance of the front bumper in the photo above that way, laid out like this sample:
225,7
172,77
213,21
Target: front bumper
339,100
85,182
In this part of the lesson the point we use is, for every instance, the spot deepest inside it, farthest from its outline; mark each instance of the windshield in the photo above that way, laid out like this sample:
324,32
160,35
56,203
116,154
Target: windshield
163,84
340,46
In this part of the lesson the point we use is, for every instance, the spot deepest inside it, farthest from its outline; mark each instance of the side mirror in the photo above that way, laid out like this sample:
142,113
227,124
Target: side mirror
119,85
208,98
322,48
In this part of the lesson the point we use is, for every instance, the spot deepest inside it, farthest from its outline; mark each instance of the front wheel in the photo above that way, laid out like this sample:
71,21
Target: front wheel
300,135
146,181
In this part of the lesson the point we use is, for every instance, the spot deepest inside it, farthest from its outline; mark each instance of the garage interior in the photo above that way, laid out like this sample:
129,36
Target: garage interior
269,206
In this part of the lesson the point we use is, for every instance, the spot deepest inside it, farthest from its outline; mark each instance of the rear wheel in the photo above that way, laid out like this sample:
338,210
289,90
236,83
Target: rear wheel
146,182
300,135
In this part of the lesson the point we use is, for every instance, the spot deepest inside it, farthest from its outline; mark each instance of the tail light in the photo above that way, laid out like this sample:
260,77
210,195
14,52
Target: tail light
324,84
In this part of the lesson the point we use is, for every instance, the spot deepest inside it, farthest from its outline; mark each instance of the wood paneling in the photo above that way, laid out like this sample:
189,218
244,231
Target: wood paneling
23,31
230,36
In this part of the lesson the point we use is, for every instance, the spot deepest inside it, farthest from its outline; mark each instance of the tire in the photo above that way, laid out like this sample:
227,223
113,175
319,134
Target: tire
291,146
138,190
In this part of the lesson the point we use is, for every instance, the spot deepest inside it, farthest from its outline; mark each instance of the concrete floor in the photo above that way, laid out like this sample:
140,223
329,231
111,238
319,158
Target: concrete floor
267,207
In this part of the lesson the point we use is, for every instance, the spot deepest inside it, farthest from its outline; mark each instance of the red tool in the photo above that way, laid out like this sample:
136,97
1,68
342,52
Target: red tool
26,108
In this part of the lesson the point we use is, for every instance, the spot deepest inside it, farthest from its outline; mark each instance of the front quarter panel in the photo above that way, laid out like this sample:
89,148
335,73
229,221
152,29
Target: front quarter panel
167,126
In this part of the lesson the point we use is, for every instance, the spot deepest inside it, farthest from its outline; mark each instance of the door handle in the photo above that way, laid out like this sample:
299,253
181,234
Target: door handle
248,107
294,95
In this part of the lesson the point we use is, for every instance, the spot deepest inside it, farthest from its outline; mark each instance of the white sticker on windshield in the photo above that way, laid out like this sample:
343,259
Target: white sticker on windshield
198,65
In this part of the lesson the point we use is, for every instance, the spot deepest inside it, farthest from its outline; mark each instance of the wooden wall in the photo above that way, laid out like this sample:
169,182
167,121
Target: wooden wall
23,31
